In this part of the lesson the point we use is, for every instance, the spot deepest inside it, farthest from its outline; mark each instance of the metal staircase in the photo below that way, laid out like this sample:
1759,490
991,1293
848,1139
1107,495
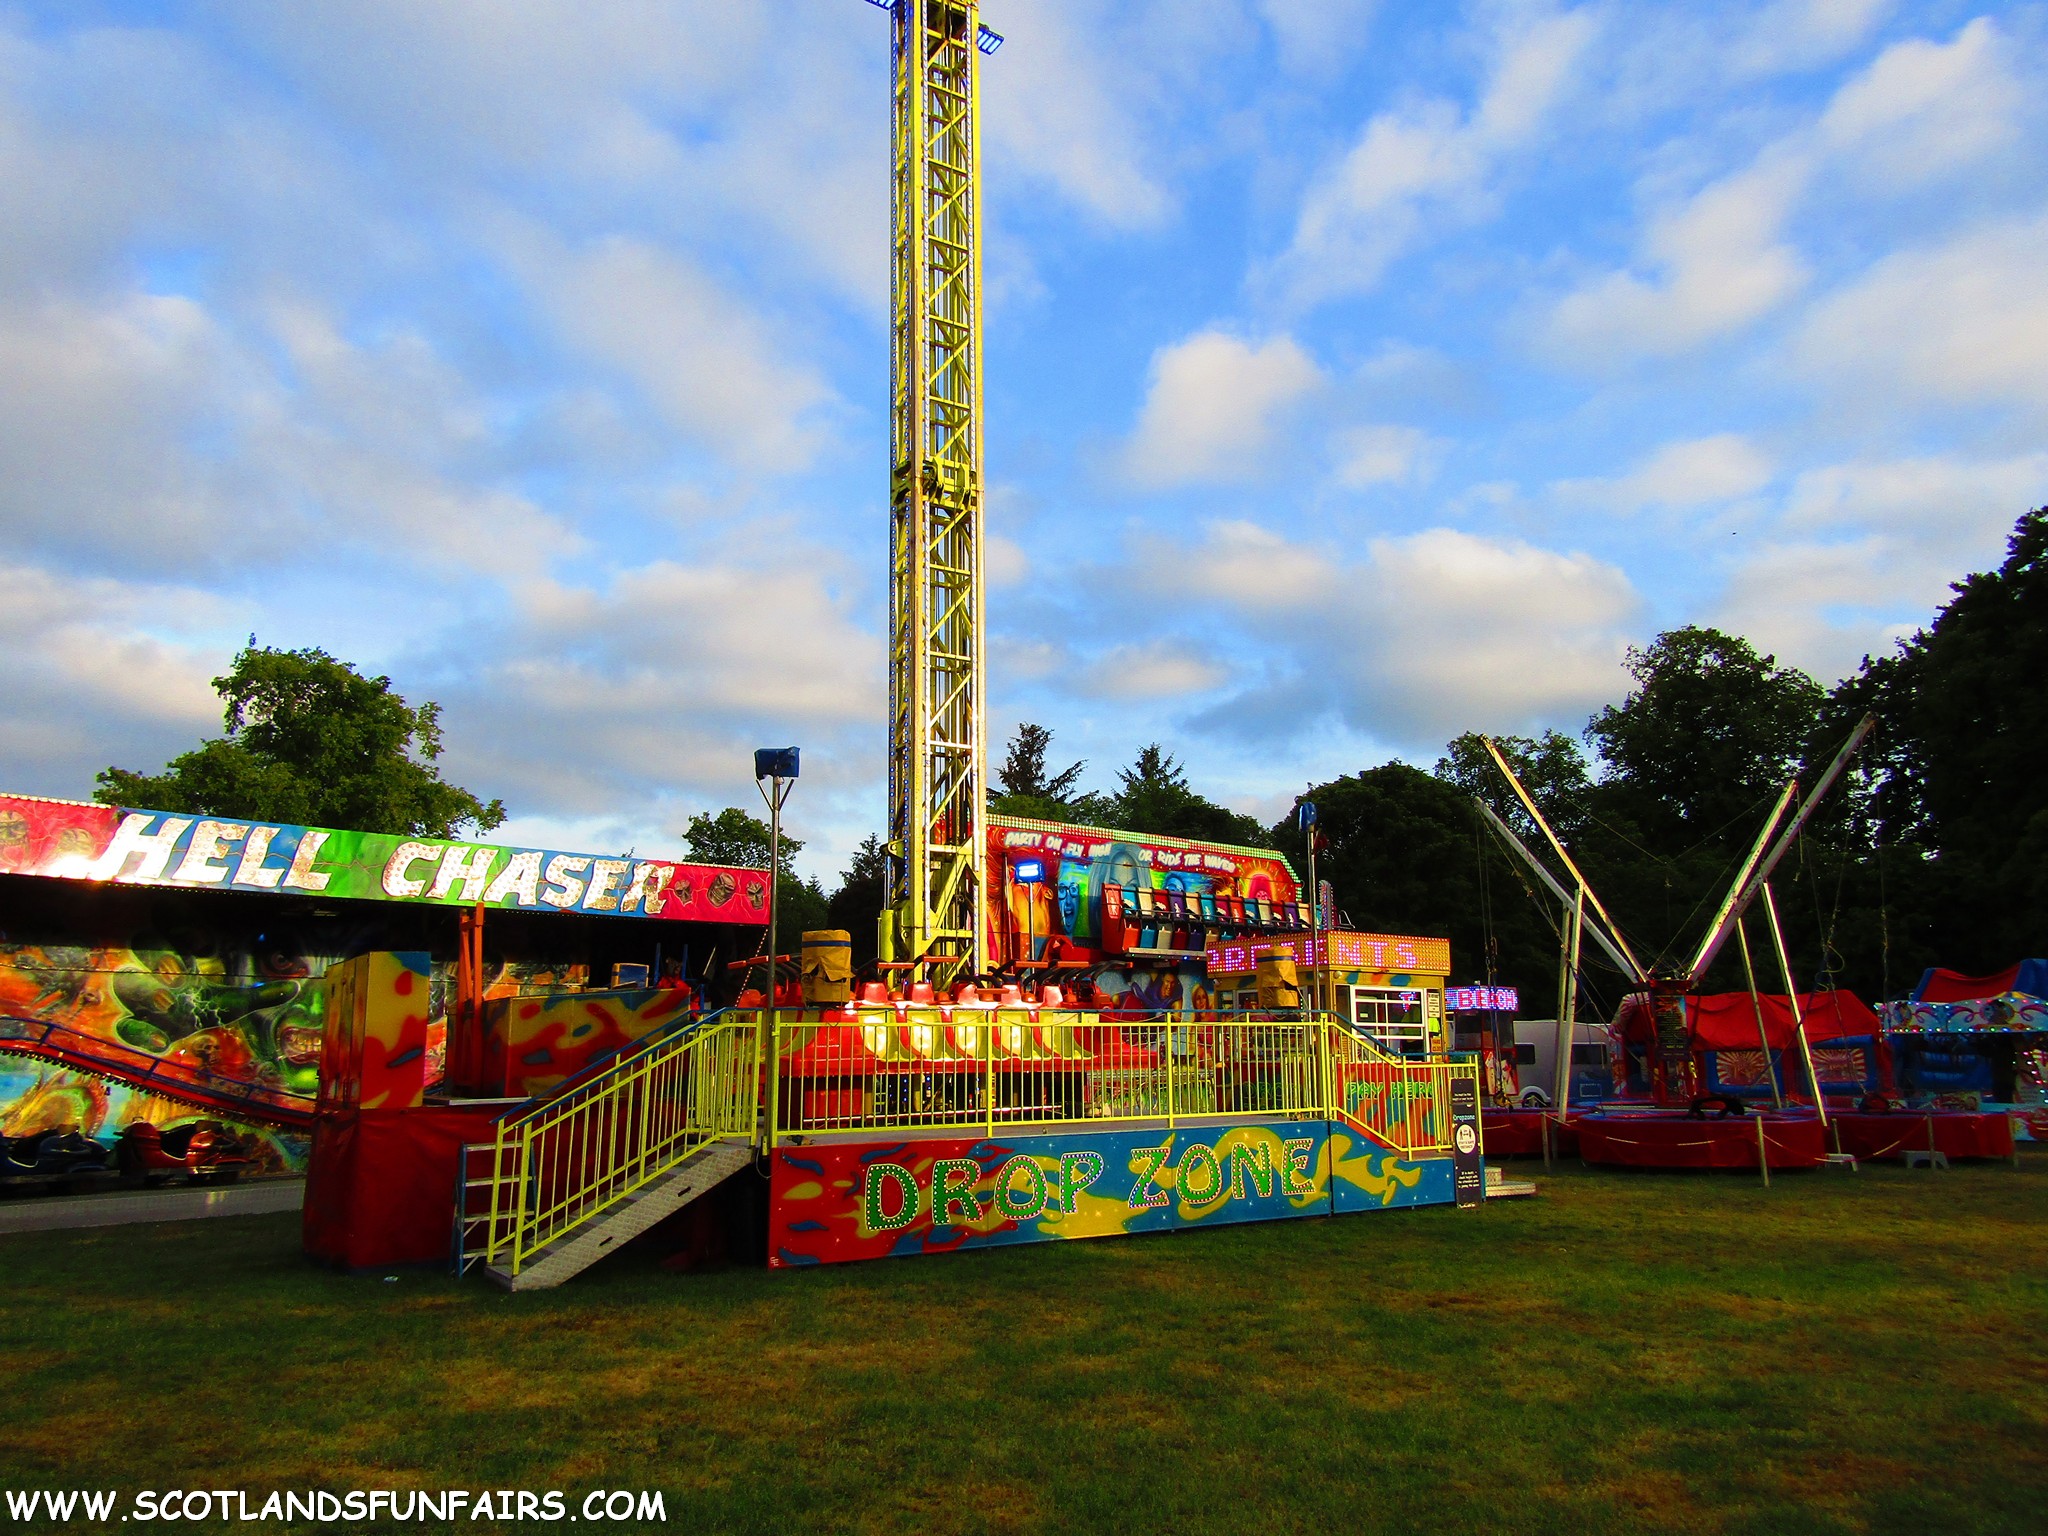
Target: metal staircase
570,1177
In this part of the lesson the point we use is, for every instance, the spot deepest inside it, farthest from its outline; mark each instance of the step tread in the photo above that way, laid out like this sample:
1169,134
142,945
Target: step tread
570,1252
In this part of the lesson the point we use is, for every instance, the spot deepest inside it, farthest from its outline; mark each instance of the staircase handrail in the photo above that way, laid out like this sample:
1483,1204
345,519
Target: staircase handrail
556,1162
598,1067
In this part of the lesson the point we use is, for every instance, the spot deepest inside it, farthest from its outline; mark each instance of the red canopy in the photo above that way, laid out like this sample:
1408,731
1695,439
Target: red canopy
1941,986
1724,1021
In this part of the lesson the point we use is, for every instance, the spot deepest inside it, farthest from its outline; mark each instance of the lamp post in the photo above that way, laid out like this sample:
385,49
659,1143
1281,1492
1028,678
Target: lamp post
778,765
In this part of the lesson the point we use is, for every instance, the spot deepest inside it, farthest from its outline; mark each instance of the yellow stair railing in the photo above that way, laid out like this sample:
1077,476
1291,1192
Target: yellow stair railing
989,1071
557,1162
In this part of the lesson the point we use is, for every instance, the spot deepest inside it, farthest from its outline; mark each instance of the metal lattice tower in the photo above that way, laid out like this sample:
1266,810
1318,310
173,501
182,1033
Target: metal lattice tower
933,915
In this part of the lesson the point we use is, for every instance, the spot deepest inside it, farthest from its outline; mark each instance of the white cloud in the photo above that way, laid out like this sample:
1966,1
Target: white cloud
1059,110
1211,407
1383,455
1429,159
1154,670
1712,265
1923,108
1503,632
1247,566
1724,258
1801,34
1004,562
96,404
1427,635
611,698
1317,41
703,356
1963,507
1698,472
1865,551
1962,322
92,679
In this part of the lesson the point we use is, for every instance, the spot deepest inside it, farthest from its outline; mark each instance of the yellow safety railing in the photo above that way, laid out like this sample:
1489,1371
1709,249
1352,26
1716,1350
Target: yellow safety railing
564,1159
983,1070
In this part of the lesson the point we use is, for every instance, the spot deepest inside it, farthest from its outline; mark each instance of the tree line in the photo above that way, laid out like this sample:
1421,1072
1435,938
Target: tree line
1933,850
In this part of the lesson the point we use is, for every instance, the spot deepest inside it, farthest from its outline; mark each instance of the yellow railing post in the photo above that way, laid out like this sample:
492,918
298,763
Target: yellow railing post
987,1032
1166,1058
520,1196
497,1183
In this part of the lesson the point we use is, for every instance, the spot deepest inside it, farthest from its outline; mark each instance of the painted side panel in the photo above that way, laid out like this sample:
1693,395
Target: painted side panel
870,1200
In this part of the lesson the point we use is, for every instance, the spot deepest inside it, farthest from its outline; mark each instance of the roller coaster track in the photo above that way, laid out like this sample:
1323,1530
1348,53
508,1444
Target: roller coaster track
192,1083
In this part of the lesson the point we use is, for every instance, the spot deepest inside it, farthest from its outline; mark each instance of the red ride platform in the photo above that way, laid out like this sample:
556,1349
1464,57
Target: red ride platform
1677,1140
1952,1133
1519,1132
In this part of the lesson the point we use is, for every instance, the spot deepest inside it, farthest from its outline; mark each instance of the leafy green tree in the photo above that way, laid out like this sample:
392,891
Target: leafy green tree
1552,767
1404,854
1956,801
311,741
1710,732
738,837
857,905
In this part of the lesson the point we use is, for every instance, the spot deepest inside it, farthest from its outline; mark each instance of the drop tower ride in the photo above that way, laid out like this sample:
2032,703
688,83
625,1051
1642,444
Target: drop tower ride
933,920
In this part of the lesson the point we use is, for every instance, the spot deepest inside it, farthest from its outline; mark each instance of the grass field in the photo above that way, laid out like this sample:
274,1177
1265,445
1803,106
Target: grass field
1862,1352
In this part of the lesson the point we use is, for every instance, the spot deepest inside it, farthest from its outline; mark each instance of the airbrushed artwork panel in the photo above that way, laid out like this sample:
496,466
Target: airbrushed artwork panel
1078,862
833,1204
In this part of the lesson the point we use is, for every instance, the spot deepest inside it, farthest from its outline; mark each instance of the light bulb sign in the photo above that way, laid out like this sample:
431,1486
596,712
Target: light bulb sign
1483,999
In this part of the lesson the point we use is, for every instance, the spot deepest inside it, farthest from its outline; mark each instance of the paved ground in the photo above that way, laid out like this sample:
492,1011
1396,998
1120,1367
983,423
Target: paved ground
118,1207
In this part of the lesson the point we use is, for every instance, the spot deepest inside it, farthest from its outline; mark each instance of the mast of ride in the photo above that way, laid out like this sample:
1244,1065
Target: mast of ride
933,917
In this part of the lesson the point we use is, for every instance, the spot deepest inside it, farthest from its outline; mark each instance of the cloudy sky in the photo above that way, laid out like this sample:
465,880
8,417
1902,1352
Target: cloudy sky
1357,374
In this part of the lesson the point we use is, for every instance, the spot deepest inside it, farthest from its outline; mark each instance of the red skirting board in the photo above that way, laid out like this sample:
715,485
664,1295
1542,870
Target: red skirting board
380,1188
1679,1141
1951,1134
1519,1133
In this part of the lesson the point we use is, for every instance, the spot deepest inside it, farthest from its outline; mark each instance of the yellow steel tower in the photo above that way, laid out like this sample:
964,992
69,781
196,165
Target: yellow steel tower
934,917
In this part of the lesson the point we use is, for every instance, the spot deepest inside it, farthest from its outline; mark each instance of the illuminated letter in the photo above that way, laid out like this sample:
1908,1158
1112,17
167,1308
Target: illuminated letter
300,877
1255,1159
210,841
871,1197
605,876
1294,1174
1198,1154
564,889
520,877
254,870
397,882
1078,1170
1154,1156
155,849
1033,1203
471,865
953,1181
659,878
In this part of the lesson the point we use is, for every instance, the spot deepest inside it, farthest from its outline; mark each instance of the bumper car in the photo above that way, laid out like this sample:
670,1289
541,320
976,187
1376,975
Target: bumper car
48,1158
200,1151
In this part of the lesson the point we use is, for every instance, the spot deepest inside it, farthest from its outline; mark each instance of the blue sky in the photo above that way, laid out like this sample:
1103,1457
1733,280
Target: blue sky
1357,374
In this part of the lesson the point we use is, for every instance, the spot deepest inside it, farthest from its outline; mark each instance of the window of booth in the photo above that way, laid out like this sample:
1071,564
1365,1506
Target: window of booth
1391,1015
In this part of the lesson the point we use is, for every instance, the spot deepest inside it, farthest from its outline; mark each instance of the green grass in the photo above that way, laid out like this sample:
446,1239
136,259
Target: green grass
1628,1352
